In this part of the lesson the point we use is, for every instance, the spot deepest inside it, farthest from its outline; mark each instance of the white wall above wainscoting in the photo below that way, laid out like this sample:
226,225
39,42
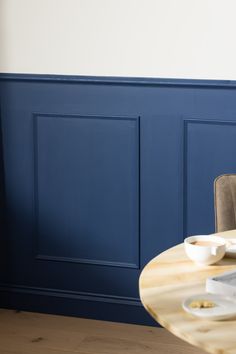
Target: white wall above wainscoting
141,38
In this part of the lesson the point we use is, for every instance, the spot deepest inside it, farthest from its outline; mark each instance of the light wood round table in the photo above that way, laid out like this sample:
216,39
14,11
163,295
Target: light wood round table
171,277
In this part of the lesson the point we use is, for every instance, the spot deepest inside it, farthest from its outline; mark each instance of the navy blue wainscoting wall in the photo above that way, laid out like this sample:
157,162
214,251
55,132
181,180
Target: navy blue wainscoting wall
99,175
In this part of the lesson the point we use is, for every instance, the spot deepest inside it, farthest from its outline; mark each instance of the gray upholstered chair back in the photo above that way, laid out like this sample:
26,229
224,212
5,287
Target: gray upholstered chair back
225,202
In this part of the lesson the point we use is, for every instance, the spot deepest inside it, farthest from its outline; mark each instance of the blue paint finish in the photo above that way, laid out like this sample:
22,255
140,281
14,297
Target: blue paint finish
111,80
161,176
102,174
209,152
71,303
87,189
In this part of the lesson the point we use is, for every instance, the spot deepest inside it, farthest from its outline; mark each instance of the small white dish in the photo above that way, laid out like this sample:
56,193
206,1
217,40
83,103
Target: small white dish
225,307
211,250
231,248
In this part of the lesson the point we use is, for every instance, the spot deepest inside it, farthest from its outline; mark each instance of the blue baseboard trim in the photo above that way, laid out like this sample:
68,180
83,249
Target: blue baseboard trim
113,80
79,304
68,294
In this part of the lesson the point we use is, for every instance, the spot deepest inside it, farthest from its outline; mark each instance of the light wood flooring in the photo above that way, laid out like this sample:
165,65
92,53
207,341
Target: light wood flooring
33,333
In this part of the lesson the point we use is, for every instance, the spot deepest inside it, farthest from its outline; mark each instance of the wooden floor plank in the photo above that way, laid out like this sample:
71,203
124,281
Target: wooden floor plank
34,333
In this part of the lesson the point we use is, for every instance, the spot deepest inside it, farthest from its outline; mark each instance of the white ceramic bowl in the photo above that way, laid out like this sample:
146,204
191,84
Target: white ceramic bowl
205,255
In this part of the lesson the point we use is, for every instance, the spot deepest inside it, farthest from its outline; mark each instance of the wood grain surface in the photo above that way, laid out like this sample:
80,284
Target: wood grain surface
171,277
35,333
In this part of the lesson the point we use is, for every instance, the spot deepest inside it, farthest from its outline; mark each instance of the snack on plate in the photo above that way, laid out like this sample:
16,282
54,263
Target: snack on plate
202,304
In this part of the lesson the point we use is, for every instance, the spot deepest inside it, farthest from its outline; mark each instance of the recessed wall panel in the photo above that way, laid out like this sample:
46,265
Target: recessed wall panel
87,189
210,150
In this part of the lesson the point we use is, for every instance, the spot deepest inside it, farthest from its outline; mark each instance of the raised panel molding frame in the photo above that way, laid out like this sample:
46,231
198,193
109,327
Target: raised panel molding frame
51,258
186,123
